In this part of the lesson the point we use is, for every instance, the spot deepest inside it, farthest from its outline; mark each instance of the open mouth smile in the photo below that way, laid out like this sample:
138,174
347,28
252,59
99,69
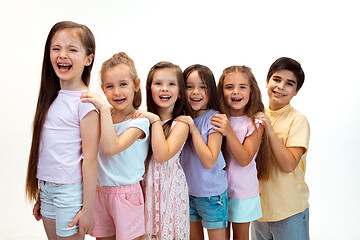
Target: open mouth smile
278,94
64,67
119,100
165,98
236,100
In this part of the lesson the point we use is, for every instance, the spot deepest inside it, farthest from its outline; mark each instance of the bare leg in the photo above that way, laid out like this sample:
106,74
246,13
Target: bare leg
217,234
228,229
50,228
196,231
241,231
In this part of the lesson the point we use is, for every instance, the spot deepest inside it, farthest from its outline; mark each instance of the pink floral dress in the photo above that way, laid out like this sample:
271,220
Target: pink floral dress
166,200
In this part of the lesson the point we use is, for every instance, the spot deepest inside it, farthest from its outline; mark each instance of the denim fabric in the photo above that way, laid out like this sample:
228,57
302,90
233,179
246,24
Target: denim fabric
211,211
295,227
61,202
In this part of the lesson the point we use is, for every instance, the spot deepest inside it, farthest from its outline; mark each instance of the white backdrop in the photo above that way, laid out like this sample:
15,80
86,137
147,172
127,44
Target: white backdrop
322,35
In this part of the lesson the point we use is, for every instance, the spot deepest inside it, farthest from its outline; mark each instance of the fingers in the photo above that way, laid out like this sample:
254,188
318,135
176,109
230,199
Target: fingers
74,221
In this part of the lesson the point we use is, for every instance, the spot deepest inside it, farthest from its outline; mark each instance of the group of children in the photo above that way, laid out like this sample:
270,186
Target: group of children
200,156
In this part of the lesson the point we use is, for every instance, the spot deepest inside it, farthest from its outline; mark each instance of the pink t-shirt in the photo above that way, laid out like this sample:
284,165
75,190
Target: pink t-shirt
60,153
243,182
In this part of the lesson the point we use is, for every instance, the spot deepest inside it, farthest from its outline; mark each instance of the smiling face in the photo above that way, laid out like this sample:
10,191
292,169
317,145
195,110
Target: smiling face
165,89
236,91
196,93
68,57
119,88
281,88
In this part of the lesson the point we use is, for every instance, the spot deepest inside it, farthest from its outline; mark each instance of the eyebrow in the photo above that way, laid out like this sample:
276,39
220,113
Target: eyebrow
290,80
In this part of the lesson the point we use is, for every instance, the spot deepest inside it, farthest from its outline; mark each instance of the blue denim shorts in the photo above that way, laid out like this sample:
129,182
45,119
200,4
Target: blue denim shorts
295,227
211,211
61,202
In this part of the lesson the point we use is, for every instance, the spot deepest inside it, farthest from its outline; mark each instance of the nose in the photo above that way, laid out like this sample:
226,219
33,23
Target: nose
281,85
236,90
63,54
164,88
117,91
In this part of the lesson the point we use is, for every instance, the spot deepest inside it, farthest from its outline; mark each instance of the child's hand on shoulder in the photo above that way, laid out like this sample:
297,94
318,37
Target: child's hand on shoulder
95,99
221,124
189,121
149,115
263,117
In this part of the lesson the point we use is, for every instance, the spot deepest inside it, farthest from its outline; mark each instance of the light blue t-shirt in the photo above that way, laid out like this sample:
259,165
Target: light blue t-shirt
126,167
203,182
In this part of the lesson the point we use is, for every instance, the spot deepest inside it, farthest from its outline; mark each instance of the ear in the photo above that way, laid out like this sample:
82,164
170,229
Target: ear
137,87
267,83
89,60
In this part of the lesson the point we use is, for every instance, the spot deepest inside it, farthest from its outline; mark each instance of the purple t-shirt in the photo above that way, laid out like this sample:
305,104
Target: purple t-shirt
243,182
60,152
203,182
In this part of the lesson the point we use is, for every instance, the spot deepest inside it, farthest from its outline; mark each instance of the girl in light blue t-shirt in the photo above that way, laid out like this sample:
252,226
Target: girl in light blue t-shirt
122,153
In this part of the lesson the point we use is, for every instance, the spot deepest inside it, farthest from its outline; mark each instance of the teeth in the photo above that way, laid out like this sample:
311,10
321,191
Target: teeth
196,100
120,100
164,97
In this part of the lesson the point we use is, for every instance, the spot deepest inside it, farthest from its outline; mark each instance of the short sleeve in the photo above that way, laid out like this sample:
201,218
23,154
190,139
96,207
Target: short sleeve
251,127
85,108
299,133
210,130
141,123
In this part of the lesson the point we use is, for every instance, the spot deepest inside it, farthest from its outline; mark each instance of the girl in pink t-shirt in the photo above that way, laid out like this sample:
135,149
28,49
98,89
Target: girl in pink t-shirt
61,175
240,98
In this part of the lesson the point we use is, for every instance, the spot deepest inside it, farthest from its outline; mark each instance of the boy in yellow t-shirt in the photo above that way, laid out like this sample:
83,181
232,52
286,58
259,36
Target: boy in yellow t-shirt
284,197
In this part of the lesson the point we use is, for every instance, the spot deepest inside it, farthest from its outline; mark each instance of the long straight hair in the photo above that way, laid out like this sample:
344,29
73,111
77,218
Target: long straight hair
255,105
208,79
49,88
181,107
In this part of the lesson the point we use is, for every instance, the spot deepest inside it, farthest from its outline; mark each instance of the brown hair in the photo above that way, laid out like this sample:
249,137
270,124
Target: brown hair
254,106
49,88
285,63
208,79
181,107
123,58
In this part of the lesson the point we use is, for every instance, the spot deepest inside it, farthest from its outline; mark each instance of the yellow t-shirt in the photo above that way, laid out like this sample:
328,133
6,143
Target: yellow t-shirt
286,194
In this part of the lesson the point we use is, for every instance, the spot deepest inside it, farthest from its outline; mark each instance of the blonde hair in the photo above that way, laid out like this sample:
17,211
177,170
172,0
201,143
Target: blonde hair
116,60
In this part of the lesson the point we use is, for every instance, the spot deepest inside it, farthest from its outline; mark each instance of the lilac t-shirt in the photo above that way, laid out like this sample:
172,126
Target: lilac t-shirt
60,153
203,182
243,182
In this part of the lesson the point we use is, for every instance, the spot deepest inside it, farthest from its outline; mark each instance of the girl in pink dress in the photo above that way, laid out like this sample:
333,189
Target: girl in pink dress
166,190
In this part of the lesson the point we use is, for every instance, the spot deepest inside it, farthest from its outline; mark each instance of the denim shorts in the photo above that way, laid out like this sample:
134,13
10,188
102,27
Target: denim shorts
295,227
61,202
211,211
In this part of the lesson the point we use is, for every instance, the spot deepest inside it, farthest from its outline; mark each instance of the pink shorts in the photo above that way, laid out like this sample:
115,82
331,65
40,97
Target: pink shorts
119,211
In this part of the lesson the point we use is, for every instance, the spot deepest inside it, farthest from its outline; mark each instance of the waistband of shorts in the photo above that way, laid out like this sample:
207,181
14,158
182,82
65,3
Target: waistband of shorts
119,189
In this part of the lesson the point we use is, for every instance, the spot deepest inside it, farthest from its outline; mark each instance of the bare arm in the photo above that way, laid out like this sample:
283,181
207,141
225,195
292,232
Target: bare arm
111,143
89,127
165,148
208,153
287,157
243,153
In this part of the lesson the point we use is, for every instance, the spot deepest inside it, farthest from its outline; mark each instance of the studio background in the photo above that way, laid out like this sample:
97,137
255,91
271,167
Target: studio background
322,35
